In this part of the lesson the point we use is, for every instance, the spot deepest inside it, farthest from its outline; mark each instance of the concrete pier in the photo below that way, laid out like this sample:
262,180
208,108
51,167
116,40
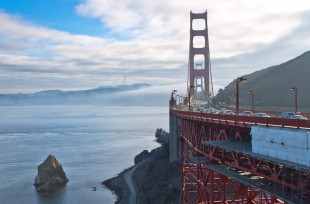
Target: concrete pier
174,142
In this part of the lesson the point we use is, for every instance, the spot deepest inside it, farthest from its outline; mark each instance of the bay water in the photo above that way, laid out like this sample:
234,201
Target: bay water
93,143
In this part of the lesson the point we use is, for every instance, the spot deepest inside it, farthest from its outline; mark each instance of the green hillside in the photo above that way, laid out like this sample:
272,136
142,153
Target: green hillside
271,86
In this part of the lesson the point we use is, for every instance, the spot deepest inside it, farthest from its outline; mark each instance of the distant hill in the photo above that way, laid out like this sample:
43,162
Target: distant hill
271,86
105,95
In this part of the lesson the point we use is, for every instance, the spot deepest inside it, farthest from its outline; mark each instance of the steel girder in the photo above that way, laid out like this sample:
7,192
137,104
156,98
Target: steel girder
203,185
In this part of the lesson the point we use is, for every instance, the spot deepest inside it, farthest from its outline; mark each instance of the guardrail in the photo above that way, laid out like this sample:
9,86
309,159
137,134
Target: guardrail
238,120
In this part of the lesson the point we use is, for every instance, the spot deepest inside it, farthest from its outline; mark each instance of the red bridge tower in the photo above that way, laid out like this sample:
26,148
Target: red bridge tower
199,57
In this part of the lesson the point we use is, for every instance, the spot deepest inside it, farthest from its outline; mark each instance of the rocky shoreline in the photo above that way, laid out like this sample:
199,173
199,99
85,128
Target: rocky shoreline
156,180
118,187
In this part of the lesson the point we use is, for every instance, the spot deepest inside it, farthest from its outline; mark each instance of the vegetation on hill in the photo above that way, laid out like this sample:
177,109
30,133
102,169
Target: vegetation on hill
271,86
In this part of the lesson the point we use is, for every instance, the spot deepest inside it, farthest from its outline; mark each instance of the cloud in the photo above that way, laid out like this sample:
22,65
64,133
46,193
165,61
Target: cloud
284,48
16,28
120,15
46,51
235,27
244,36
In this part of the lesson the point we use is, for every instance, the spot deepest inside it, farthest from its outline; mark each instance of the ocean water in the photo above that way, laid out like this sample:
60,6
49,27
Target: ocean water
93,143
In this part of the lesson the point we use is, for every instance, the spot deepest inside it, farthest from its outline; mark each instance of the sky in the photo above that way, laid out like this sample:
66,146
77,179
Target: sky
83,44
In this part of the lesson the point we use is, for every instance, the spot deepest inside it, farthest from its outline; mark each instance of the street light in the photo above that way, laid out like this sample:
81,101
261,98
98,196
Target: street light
189,96
295,90
239,79
173,92
252,94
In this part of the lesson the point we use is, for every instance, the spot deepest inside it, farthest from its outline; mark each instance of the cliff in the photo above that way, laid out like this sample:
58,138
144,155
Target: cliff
156,180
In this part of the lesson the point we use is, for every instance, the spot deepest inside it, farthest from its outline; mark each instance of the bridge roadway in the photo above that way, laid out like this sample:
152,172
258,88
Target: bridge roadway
240,121
236,146
238,155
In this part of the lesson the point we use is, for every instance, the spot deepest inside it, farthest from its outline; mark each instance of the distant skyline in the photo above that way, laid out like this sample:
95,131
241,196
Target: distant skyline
83,44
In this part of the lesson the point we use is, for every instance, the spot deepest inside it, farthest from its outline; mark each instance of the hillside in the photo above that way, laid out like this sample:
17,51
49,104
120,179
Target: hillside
132,94
271,86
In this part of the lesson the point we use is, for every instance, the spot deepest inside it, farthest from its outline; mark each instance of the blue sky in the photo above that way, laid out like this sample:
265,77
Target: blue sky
56,14
81,44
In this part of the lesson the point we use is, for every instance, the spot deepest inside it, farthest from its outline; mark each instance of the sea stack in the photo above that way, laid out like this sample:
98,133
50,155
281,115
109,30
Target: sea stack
50,174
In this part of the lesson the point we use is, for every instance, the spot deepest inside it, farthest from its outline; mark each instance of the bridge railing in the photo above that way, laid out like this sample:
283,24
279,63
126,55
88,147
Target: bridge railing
238,120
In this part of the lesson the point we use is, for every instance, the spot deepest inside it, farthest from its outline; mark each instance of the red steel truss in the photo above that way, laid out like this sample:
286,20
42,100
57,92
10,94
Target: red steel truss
240,121
217,168
203,185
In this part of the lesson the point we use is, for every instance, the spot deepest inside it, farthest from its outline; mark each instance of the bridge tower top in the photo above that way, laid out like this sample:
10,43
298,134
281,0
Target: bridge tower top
199,57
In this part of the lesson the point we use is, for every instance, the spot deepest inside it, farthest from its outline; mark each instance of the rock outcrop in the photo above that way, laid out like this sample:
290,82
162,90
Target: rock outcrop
50,174
161,136
142,156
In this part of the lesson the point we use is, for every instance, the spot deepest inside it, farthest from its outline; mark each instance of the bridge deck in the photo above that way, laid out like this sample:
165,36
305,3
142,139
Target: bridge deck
257,182
247,150
240,121
284,179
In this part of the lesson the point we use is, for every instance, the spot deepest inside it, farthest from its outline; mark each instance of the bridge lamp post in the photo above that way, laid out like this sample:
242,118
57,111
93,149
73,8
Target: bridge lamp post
252,94
189,96
295,90
173,92
172,101
238,80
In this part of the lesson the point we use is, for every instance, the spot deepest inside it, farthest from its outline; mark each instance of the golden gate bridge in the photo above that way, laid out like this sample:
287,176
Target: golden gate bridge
234,158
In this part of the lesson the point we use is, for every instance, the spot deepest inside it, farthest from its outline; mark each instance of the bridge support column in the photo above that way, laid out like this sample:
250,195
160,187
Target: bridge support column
174,143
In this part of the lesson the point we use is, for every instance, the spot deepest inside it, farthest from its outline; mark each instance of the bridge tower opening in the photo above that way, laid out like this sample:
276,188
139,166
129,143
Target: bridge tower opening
199,59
